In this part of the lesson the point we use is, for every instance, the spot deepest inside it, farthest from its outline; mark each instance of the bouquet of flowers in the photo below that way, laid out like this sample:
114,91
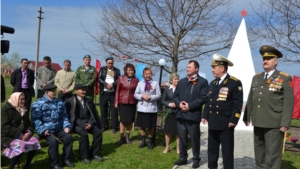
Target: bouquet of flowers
288,136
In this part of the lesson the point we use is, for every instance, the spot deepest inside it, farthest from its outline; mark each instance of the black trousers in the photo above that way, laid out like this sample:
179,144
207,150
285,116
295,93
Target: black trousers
226,139
192,128
67,140
14,160
104,99
85,152
28,99
40,93
64,97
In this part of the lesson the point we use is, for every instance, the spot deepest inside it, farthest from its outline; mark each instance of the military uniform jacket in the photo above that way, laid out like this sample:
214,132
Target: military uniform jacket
224,103
86,76
270,102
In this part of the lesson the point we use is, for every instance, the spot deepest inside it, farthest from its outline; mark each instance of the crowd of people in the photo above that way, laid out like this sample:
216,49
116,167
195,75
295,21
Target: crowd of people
188,102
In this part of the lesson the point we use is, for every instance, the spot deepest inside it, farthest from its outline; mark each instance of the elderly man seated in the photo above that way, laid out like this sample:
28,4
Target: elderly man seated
50,120
85,119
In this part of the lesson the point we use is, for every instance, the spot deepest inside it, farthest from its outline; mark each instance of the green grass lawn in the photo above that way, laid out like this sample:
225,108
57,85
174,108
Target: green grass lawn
130,156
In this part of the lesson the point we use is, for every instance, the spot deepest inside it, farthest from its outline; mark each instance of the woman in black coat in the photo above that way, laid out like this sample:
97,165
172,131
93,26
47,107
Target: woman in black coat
17,130
171,122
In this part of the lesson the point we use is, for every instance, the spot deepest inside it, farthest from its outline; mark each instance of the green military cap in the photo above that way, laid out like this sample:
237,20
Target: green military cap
220,60
269,51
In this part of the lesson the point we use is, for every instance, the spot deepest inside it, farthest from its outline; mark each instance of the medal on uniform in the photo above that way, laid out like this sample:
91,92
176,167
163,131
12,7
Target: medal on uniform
275,84
223,92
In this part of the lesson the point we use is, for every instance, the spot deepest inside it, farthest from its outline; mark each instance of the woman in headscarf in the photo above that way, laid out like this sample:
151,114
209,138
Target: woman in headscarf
170,107
147,93
17,130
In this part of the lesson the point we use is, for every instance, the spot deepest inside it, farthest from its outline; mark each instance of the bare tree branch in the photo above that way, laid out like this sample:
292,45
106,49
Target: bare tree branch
175,30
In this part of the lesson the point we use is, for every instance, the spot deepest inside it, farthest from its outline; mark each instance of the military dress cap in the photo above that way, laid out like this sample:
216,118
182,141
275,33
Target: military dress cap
220,60
87,56
49,87
79,86
269,51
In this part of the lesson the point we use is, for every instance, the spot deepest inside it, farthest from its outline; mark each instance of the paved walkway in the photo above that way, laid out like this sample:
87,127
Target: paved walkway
243,151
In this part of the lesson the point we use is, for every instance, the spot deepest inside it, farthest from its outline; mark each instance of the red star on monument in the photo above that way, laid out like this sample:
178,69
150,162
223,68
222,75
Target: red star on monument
244,13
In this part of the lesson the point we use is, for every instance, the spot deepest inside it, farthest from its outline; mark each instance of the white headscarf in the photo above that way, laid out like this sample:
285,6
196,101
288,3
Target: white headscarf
14,101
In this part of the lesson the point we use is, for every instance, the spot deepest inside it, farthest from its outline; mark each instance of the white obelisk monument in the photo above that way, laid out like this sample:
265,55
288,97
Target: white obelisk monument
243,68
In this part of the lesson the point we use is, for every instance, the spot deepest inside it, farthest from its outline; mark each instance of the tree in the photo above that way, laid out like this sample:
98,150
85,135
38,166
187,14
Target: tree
12,62
278,21
175,30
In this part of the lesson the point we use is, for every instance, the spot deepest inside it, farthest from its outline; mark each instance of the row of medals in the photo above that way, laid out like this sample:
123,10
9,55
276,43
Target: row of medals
223,94
274,87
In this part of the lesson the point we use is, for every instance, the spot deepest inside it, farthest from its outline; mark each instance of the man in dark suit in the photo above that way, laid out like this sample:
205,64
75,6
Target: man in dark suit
270,107
189,97
222,112
2,89
22,80
85,119
108,78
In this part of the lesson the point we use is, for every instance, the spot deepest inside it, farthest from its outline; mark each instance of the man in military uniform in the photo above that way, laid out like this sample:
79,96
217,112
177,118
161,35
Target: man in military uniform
222,112
86,75
270,107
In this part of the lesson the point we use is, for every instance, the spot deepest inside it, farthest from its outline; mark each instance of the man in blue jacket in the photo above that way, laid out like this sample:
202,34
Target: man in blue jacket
50,120
189,97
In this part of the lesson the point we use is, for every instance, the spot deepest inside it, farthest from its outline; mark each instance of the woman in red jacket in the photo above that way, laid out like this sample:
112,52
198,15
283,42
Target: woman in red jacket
125,101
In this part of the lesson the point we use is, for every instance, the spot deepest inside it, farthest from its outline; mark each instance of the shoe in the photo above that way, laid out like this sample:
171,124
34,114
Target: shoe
167,149
181,162
86,161
150,143
196,164
103,129
56,167
114,131
122,139
143,144
98,158
68,163
127,138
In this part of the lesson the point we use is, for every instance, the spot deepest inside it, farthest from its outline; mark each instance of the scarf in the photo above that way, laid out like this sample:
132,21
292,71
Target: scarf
193,79
14,101
147,85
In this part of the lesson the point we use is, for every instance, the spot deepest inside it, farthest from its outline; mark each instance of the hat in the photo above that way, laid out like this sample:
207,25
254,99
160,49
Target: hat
86,56
220,60
269,51
79,86
109,58
49,87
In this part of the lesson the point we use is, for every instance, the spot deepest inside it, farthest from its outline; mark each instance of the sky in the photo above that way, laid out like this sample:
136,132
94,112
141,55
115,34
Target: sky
62,35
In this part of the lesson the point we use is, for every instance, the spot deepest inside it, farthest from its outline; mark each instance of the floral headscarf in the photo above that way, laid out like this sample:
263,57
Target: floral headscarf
14,101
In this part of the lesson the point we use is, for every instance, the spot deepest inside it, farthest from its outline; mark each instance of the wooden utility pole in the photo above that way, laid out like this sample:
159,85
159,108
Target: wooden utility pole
37,47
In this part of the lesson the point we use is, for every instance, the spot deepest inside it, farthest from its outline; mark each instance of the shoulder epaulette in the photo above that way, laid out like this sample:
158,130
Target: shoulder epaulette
285,74
234,78
258,73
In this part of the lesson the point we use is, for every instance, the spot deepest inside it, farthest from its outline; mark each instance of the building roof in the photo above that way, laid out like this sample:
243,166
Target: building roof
31,65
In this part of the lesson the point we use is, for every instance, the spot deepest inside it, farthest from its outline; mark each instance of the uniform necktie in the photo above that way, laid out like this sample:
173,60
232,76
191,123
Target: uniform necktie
82,102
218,81
266,77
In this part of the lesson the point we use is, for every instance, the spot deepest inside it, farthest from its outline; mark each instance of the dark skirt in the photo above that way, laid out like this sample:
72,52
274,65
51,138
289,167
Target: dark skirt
171,124
127,113
146,120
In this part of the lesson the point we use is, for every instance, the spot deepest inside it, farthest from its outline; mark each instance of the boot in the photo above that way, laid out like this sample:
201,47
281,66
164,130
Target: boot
122,139
127,138
143,144
150,143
